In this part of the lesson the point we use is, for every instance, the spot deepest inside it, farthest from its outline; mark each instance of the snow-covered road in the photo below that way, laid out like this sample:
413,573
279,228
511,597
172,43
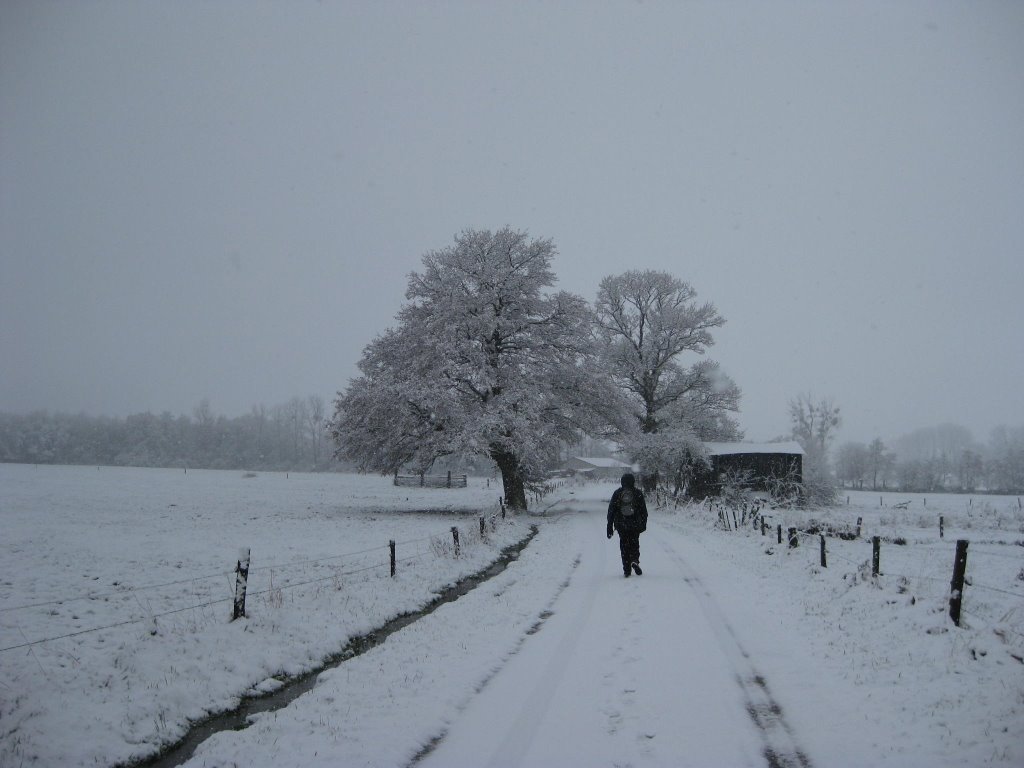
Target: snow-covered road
558,661
623,672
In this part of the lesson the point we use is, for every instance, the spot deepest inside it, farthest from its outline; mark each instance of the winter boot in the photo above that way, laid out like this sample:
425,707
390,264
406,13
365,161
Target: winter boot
636,568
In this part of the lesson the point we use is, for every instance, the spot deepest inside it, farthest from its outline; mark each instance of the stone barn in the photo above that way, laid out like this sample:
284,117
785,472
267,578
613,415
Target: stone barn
762,463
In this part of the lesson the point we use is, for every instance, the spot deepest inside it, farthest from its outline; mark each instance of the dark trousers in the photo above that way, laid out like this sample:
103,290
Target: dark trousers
629,546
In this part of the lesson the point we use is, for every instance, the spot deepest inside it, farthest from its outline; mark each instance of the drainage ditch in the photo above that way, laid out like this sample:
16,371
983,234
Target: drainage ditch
238,719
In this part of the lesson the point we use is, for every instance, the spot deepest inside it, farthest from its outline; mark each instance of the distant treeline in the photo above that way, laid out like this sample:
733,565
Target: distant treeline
937,459
291,436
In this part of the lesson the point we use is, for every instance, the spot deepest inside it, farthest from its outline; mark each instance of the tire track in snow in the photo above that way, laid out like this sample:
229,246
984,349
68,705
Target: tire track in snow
526,716
542,617
520,734
781,748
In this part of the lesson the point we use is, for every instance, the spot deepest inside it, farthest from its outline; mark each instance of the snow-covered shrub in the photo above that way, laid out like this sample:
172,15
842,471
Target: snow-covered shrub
441,546
819,491
736,486
274,596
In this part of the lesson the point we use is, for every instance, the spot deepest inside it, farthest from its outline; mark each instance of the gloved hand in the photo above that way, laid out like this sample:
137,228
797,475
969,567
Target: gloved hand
609,532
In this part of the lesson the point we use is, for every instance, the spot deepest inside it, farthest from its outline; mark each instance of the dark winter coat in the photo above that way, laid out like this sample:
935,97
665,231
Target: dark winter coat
635,523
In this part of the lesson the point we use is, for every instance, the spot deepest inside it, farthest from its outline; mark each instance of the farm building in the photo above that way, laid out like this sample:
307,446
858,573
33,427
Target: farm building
598,467
762,463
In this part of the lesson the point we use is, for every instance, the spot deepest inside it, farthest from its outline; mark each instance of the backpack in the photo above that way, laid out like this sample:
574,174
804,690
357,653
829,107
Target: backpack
630,511
626,504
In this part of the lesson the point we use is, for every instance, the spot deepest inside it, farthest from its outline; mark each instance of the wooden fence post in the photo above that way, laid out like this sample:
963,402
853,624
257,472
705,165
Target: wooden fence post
449,478
794,540
942,526
241,581
956,586
764,525
780,533
860,522
876,554
824,564
391,546
455,538
483,531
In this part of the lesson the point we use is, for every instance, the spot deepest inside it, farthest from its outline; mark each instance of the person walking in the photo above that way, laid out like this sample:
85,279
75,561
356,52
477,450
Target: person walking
627,514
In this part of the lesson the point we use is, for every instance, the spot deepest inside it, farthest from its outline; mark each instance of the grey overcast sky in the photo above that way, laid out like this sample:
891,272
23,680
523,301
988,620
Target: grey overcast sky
223,200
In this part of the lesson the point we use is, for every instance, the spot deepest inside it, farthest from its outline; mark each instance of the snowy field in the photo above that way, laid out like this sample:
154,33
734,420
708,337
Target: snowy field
82,548
730,650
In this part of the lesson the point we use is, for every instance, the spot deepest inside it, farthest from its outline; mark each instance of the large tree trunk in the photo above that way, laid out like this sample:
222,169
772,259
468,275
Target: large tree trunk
511,479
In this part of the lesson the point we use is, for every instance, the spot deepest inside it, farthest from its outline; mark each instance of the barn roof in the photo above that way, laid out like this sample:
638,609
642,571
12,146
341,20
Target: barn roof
600,461
733,449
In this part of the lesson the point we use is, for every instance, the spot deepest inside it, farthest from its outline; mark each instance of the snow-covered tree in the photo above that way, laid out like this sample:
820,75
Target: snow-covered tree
1006,459
927,443
814,424
482,362
939,457
881,462
671,455
647,321
316,421
852,464
970,469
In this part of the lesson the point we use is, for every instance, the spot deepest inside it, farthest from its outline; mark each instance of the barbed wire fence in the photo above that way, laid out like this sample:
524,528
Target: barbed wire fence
900,559
290,575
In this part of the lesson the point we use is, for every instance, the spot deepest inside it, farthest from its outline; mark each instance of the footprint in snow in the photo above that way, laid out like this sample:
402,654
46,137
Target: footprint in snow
614,721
